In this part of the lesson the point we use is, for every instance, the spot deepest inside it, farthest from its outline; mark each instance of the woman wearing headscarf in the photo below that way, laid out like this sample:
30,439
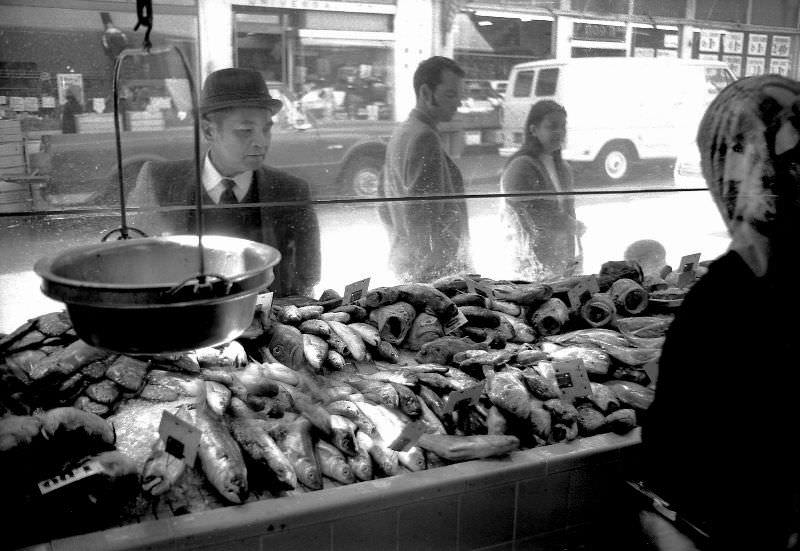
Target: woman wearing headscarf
542,231
719,441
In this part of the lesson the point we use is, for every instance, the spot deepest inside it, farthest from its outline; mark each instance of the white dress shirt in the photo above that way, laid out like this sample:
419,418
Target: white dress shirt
212,182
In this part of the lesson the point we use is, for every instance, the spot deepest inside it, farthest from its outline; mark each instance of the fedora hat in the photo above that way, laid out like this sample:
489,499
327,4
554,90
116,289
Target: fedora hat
236,87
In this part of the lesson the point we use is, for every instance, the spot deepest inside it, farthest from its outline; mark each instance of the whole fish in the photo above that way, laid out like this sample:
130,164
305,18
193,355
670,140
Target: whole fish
525,293
522,331
332,462
378,391
286,345
385,459
631,355
348,409
387,424
603,398
465,448
633,394
275,371
220,456
315,350
355,345
432,422
335,360
254,438
509,393
294,439
368,333
408,400
433,401
288,314
357,313
312,311
218,396
361,463
441,351
388,352
595,361
161,469
496,422
341,317
595,337
316,327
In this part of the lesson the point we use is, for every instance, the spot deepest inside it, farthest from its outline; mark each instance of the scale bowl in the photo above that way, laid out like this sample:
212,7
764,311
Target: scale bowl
126,296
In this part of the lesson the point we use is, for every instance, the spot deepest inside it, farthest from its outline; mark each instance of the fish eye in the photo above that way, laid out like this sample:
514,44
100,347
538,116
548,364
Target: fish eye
277,349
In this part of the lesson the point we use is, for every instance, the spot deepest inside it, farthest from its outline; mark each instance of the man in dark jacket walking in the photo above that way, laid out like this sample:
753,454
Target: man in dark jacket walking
429,239
243,197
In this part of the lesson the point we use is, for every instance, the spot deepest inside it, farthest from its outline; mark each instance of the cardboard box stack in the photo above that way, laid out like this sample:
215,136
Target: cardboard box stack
94,122
12,158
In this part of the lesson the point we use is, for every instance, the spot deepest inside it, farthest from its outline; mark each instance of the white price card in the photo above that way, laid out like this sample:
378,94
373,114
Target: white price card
181,438
686,268
355,291
79,473
264,302
408,437
455,322
572,379
466,397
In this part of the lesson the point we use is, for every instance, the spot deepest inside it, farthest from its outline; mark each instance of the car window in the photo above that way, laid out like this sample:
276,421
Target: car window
523,84
547,83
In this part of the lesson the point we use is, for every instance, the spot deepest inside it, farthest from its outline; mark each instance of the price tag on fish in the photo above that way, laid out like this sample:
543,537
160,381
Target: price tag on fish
582,291
181,439
355,291
408,436
455,322
686,268
572,379
84,471
465,397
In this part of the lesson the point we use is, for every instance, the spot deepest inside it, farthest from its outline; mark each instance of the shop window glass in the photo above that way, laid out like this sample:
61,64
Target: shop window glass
338,79
775,13
600,6
730,10
660,8
523,85
547,83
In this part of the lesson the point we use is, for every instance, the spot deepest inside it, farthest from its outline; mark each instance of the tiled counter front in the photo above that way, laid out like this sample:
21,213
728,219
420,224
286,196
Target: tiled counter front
563,496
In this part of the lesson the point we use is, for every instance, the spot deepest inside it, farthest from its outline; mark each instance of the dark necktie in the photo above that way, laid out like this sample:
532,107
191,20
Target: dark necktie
228,197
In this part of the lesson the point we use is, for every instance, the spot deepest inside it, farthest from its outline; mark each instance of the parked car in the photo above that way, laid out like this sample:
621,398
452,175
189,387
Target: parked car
341,158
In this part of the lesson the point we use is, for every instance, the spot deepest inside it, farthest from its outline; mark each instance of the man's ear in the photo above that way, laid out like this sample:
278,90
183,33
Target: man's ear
426,94
207,128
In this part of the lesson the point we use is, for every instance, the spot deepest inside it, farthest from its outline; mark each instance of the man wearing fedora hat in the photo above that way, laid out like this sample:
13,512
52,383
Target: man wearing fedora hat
236,111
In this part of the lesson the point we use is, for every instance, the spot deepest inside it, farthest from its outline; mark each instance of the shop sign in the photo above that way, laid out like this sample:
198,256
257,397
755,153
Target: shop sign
666,53
31,104
757,45
598,32
735,63
733,43
670,40
754,66
781,46
16,103
709,41
65,82
779,66
644,52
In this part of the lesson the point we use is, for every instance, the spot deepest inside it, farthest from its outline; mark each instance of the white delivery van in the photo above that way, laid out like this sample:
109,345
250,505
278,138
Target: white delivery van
619,109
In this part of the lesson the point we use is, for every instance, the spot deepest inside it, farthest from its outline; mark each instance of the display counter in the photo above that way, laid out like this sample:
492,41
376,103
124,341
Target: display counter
542,498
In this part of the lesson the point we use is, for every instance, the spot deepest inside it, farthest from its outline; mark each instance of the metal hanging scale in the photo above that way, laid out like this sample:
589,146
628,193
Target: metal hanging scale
143,295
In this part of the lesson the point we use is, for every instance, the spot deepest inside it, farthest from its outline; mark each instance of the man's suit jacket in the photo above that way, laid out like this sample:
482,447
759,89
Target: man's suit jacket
288,221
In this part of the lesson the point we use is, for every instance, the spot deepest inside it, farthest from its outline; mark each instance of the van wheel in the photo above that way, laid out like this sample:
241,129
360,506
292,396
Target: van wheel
361,175
614,161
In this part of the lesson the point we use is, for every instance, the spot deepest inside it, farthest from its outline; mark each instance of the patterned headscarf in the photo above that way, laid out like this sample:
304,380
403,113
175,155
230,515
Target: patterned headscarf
749,141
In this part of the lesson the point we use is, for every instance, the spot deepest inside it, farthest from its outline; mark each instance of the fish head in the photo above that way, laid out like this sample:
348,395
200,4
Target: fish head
361,466
425,328
286,344
308,474
432,352
232,486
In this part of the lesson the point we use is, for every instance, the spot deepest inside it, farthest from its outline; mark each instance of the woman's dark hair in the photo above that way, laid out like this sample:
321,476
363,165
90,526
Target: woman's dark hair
538,111
430,72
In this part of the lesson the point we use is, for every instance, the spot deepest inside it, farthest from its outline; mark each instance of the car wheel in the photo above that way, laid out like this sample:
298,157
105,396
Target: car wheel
361,176
614,161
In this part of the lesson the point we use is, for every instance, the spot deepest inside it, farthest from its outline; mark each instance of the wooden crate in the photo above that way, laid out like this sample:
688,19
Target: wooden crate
10,131
146,121
87,123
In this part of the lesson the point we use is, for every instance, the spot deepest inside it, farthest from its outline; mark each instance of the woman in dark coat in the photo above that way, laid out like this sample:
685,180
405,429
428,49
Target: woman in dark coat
543,231
720,440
